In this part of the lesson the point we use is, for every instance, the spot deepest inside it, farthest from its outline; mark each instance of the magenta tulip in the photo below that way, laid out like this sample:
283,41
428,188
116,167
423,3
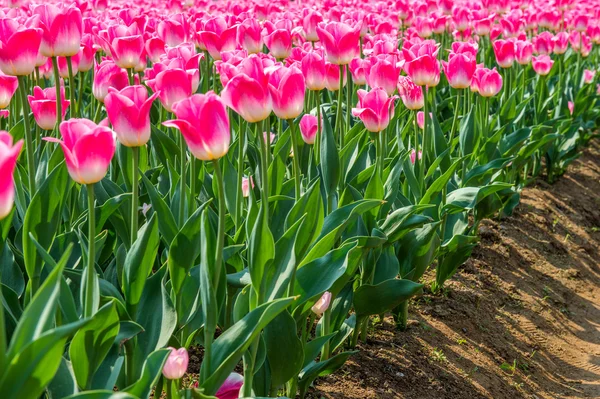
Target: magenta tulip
384,73
129,113
588,76
459,70
127,51
375,108
287,89
231,387
173,85
217,37
332,77
410,94
62,30
176,364
8,160
505,53
19,48
487,82
248,97
313,68
43,106
341,42
249,36
108,75
279,43
308,128
422,65
542,64
523,52
204,124
88,149
8,87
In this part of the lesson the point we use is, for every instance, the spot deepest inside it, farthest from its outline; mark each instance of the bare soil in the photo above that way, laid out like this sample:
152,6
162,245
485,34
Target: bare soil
521,319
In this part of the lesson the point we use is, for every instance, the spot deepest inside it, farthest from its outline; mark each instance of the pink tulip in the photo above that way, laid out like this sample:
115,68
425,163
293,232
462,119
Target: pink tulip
88,149
340,41
155,48
421,119
483,26
467,48
86,54
204,124
19,48
505,53
62,30
43,106
129,113
173,85
313,69
246,182
231,387
8,87
375,109
588,77
384,73
127,51
561,42
332,77
176,364
249,36
580,22
459,70
487,82
410,93
107,75
279,43
543,43
422,65
309,24
413,153
423,27
359,68
287,89
571,107
217,37
542,64
171,32
8,160
322,304
523,52
249,96
308,128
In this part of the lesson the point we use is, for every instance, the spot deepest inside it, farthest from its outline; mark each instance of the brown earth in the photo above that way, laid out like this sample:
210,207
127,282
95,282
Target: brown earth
521,319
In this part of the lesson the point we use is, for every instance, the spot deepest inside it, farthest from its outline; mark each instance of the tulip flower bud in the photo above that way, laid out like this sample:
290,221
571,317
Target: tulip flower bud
176,364
204,124
505,53
588,76
459,70
542,64
287,89
246,183
248,97
43,106
308,128
322,304
375,109
487,82
88,149
8,160
313,69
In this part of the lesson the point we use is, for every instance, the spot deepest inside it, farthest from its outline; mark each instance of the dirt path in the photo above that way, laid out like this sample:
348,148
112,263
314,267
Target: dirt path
521,319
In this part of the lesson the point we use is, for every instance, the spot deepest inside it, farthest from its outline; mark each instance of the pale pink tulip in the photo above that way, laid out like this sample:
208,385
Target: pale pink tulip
322,304
176,364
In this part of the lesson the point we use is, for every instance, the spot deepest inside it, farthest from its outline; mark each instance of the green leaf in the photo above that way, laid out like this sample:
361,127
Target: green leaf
330,159
150,373
102,394
311,205
378,299
139,261
166,220
261,249
43,218
63,384
321,369
229,348
184,250
468,137
39,314
91,344
284,349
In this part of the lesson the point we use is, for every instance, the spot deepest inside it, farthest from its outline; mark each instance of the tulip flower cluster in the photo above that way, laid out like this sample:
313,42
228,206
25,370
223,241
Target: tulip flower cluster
255,179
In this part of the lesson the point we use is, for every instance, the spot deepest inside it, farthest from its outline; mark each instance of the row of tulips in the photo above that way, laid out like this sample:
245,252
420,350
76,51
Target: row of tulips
258,179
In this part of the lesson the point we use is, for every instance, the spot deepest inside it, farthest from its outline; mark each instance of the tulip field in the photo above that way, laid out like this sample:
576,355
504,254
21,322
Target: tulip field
258,180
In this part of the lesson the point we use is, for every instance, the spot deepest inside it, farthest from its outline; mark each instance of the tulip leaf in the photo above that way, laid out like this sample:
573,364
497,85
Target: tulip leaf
378,299
43,217
330,160
139,260
64,383
284,349
102,394
166,220
229,348
91,344
261,249
321,369
151,371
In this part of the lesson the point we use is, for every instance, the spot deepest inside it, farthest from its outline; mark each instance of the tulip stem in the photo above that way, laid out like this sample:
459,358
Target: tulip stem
72,88
240,173
182,178
264,172
425,143
134,193
130,76
81,79
28,138
221,226
325,331
58,92
90,271
339,118
454,119
317,146
295,161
